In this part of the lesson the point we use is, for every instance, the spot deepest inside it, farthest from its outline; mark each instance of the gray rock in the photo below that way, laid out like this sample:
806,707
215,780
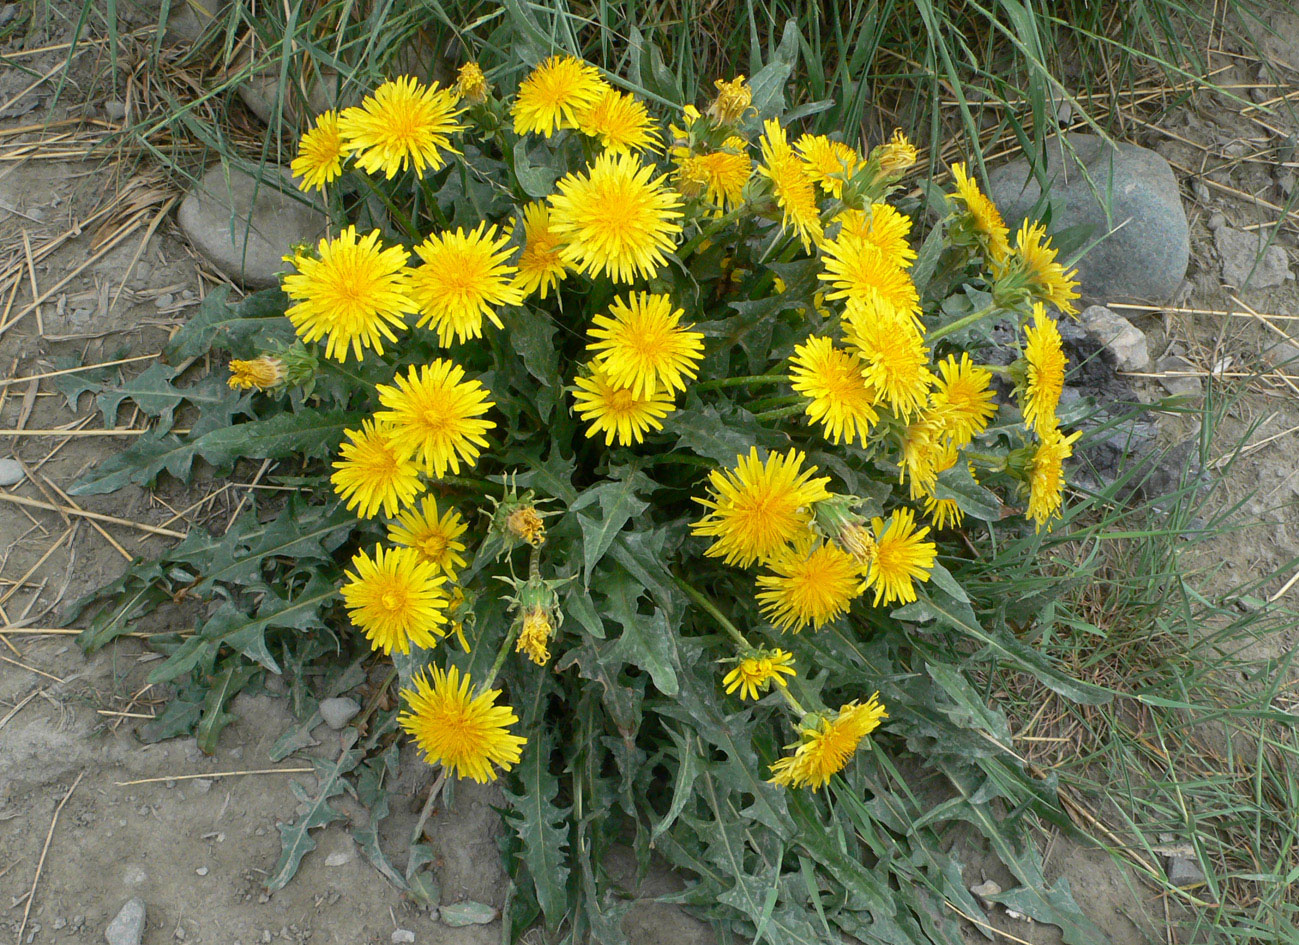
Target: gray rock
245,226
1122,339
114,110
186,21
1179,383
1280,355
984,891
1184,871
338,712
1245,261
127,926
1146,258
11,472
402,935
258,92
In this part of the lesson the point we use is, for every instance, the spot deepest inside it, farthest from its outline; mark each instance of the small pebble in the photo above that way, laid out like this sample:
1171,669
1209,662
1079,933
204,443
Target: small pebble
337,712
59,922
983,891
402,935
164,300
202,871
128,925
338,859
11,472
114,111
202,785
169,783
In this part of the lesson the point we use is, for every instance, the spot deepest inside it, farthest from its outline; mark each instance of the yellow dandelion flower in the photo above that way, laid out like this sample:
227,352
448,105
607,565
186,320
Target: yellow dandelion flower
810,585
945,512
896,155
901,557
883,227
642,346
1031,268
534,635
825,747
829,163
352,295
526,523
471,84
753,675
620,121
857,268
320,154
984,217
396,600
791,185
464,278
757,508
403,124
1044,375
469,734
436,540
1046,476
374,472
837,394
717,176
616,411
896,361
434,413
261,373
541,266
615,219
925,450
962,399
554,94
734,98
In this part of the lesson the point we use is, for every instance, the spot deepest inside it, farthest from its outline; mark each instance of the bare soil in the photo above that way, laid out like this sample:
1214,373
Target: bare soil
90,816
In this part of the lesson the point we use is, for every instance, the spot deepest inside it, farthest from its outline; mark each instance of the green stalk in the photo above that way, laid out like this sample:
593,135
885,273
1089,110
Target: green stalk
965,321
702,600
779,412
747,380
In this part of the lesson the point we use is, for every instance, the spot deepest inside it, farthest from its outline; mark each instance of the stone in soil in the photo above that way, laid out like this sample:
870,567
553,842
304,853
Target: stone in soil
1177,380
186,22
245,226
1145,259
1184,871
1248,262
338,712
1121,339
402,935
984,893
127,926
11,472
258,92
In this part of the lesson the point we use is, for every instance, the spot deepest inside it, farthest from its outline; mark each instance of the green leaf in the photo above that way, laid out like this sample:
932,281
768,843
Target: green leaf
688,769
180,717
314,433
141,462
618,503
537,180
540,825
768,83
313,811
137,592
971,498
152,392
646,642
719,435
224,687
217,324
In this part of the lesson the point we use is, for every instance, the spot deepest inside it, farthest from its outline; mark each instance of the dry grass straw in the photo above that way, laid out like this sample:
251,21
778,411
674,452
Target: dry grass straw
45,849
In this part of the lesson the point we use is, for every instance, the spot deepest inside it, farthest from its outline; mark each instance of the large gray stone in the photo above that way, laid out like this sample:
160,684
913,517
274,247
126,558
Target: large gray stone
187,20
258,92
245,226
127,926
1123,186
1122,339
1248,262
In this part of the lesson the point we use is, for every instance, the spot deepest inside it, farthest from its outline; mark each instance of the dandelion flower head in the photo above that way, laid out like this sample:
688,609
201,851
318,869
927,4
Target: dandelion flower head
1044,375
436,415
1046,476
902,557
962,399
620,122
402,124
829,163
468,734
791,185
464,278
984,217
753,675
435,539
838,395
374,473
554,94
810,584
396,600
320,154
826,747
617,411
541,265
642,345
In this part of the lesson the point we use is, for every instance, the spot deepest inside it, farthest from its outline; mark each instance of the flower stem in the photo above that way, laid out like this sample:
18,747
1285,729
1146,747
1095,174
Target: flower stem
779,412
702,600
748,380
778,400
793,703
993,462
965,321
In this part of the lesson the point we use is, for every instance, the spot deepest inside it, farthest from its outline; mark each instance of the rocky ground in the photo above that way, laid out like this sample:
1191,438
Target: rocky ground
100,260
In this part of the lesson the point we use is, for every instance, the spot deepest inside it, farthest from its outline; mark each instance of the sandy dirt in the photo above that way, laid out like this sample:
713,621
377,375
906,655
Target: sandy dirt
196,842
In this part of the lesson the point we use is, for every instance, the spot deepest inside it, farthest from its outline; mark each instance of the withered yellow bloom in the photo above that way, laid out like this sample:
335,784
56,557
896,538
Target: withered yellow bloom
826,745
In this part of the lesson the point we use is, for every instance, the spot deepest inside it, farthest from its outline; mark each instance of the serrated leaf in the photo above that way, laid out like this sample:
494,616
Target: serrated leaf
141,462
540,826
707,431
971,498
646,641
227,684
314,433
135,593
768,83
217,324
314,811
618,502
151,390
297,737
180,717
537,180
688,769
469,912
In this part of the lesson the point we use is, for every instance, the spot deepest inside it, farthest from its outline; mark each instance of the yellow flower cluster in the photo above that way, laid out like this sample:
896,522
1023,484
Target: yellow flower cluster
868,373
